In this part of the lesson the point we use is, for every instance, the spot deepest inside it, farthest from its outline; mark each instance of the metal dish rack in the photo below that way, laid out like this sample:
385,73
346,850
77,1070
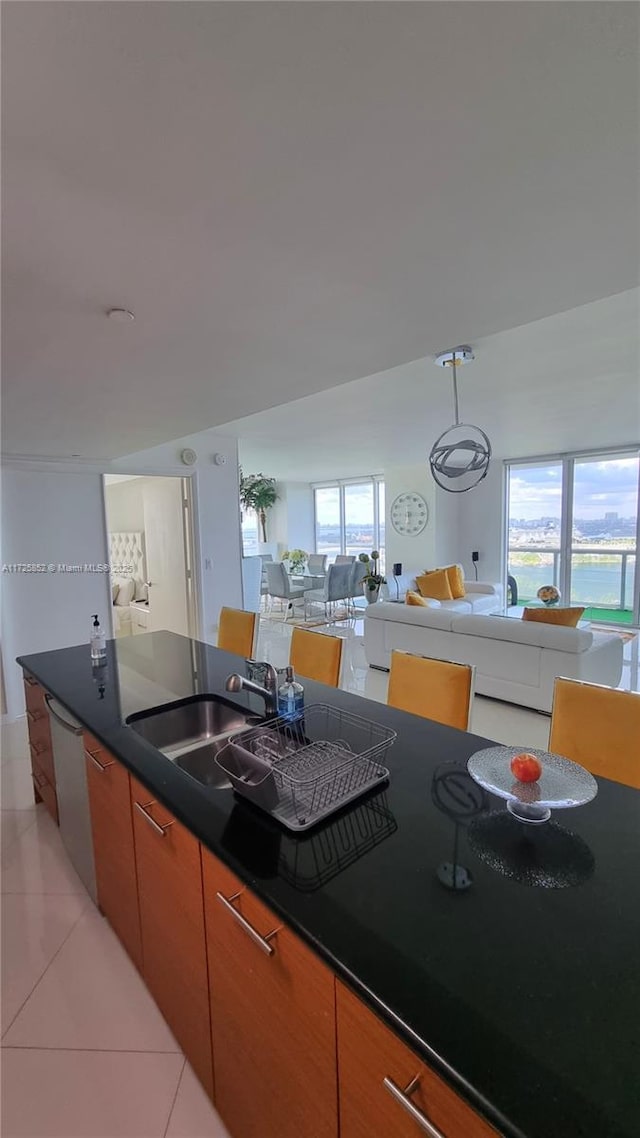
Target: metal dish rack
318,764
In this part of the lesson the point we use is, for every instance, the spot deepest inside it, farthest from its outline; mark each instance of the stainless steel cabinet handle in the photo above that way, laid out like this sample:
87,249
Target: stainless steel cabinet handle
402,1097
261,941
96,761
160,829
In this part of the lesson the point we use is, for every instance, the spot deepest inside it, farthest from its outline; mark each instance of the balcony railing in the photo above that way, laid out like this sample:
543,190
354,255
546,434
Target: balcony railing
612,587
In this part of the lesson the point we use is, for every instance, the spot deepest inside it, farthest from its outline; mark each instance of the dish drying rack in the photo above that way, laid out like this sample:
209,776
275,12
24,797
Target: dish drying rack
304,771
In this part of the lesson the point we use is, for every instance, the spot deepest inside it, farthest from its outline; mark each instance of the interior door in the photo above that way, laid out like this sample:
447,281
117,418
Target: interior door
166,566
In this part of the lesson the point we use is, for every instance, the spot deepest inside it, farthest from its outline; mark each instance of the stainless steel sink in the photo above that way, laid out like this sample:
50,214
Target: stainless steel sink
191,733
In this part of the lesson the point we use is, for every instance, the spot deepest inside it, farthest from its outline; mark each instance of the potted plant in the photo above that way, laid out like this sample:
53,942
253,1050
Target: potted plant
258,493
297,559
372,580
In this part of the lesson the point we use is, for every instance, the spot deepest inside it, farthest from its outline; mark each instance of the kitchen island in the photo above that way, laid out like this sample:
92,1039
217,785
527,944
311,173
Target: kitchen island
524,998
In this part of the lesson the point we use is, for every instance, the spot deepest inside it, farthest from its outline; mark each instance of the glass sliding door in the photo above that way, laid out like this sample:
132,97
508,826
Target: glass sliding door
535,525
602,563
328,520
349,517
359,521
573,522
381,529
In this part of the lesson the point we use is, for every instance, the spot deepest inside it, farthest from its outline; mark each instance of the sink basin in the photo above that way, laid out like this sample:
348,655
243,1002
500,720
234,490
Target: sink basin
192,731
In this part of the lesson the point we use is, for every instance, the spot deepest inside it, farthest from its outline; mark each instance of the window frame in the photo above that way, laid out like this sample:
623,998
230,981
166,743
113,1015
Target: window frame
567,461
339,484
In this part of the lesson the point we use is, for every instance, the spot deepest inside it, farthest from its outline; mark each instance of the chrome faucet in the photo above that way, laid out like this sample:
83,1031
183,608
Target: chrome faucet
269,692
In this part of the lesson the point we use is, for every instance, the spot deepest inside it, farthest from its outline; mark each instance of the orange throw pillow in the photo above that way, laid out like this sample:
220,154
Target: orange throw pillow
412,598
456,581
435,585
567,617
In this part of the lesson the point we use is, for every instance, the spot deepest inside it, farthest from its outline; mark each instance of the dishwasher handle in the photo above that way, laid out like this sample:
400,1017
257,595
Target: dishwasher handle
73,728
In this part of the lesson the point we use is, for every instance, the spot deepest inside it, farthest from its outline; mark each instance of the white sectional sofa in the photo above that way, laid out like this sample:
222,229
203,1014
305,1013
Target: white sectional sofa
480,596
515,660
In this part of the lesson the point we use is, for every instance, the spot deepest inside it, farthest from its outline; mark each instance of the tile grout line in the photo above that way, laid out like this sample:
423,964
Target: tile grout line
173,1101
58,950
91,1050
22,832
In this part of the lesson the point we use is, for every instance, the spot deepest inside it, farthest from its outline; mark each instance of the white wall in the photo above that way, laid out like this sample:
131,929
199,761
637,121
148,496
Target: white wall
413,552
300,522
125,506
290,522
49,518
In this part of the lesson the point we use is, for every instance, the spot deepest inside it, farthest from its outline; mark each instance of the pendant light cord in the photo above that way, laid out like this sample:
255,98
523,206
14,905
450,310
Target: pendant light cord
455,390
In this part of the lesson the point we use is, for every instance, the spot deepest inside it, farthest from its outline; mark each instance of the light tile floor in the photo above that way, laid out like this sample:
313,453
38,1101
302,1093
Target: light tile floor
85,1052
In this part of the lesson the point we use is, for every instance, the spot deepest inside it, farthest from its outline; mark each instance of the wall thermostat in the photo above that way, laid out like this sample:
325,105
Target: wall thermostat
188,456
220,459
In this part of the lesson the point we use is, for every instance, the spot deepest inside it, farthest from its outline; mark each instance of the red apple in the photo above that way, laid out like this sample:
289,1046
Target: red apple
526,767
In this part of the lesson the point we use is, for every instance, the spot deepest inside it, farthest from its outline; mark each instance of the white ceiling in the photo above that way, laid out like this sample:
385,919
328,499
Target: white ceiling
564,383
292,196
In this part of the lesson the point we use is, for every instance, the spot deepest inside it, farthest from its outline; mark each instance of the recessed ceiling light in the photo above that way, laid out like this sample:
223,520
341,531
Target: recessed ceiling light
122,315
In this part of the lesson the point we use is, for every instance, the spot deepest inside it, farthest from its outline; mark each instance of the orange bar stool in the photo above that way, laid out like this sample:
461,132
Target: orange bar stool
237,631
598,727
316,656
437,689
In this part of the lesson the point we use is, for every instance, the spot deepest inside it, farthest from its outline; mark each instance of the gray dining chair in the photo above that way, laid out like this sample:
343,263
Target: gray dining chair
280,587
336,588
358,573
317,564
345,559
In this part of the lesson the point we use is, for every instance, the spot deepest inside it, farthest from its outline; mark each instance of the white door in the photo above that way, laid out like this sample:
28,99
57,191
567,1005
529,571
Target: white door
166,567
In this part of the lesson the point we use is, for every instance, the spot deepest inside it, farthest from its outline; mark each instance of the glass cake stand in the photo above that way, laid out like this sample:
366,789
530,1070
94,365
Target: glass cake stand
561,785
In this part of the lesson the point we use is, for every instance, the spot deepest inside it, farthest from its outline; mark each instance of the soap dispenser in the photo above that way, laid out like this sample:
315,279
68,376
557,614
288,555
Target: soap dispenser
98,642
290,697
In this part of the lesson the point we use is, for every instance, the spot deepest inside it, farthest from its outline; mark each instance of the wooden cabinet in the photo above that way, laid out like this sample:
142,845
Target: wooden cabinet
113,845
174,951
42,768
272,1018
385,1089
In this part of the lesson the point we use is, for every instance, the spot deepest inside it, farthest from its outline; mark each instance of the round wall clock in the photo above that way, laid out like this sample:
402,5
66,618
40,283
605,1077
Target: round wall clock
409,514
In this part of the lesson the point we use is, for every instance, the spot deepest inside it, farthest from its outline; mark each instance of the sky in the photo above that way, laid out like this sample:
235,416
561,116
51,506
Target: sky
599,488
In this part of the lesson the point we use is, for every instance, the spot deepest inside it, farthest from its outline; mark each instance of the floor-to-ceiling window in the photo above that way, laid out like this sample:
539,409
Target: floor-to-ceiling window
349,517
573,522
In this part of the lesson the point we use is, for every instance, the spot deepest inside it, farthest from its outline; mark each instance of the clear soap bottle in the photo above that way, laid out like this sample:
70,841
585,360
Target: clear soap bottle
290,697
98,642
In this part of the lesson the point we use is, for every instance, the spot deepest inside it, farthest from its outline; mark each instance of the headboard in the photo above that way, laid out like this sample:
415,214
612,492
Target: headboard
127,549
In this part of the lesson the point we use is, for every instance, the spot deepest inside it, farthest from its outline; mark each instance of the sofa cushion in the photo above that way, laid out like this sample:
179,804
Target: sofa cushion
524,632
411,598
566,617
455,577
431,617
435,585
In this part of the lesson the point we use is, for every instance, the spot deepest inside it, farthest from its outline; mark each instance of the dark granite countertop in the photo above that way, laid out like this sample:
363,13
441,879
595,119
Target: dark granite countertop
526,997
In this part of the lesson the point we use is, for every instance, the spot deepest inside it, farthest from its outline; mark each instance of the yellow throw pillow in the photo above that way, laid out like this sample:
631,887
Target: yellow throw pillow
567,617
412,598
456,581
435,585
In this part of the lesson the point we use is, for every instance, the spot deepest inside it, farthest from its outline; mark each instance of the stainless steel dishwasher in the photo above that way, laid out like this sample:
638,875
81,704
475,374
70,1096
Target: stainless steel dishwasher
72,792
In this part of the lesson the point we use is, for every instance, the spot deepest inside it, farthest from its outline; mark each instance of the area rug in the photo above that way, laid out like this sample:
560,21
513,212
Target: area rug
310,622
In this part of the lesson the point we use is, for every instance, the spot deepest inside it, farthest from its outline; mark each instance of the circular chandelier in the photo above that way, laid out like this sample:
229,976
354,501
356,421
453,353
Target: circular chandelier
460,457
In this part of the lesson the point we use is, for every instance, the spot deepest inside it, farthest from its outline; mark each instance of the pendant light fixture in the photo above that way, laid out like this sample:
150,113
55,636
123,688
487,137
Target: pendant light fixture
460,457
